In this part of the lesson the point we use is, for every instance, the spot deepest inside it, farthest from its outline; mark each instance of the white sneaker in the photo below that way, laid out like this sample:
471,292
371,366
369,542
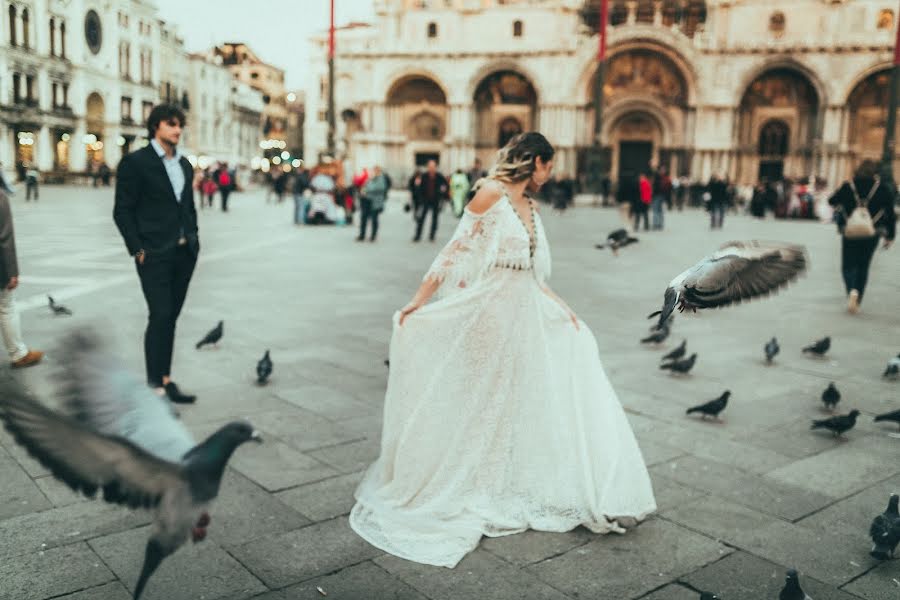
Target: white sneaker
853,302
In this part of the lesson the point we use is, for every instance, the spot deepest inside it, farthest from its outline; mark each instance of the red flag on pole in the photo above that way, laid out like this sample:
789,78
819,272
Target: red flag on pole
604,17
331,33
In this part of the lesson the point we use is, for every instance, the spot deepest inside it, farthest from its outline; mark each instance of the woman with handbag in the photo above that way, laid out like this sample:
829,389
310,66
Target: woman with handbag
866,212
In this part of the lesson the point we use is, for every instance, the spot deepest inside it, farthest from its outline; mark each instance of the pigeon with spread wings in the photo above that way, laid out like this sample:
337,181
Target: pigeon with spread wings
738,271
116,436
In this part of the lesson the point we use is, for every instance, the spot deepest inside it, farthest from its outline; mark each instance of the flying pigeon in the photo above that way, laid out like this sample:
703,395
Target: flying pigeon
772,349
892,370
839,424
792,589
677,352
263,369
894,416
213,336
117,436
657,336
819,348
683,365
737,271
831,396
58,309
885,531
713,407
617,239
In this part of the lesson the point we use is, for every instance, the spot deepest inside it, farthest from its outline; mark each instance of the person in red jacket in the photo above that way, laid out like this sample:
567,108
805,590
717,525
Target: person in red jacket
645,192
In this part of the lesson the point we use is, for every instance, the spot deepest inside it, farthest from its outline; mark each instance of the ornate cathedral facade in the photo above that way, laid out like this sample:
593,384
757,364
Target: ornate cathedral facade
744,88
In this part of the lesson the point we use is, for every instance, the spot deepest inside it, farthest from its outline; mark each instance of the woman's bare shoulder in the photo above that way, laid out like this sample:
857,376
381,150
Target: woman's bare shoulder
487,195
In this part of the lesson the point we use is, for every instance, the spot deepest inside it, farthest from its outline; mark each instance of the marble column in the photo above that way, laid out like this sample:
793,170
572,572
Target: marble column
44,150
77,150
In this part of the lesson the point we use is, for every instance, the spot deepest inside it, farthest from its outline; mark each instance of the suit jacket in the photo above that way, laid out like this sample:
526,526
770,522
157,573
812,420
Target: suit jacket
148,215
9,266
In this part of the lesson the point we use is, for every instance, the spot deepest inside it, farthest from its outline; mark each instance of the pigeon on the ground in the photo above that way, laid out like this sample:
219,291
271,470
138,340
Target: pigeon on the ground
708,596
839,424
713,407
213,337
117,436
792,589
677,352
264,369
657,336
683,365
894,416
892,370
772,349
617,239
831,396
737,271
885,531
58,309
819,348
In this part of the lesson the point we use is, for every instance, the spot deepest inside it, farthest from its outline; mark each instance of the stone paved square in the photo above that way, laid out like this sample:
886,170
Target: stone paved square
740,502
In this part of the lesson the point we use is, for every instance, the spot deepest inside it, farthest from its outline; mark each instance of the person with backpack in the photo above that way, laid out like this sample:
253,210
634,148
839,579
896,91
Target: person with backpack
225,180
865,212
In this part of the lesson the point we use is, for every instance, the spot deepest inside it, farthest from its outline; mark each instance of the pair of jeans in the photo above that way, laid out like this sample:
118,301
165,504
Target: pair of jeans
31,185
716,215
301,206
432,207
856,257
657,206
224,192
367,213
164,280
640,211
10,326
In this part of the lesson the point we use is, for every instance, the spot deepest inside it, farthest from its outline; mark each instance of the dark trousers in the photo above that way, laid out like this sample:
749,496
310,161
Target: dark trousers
31,186
640,211
716,215
856,256
224,193
367,213
432,207
164,279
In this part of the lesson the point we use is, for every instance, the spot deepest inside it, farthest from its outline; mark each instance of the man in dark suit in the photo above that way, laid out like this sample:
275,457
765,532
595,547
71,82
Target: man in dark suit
432,188
155,213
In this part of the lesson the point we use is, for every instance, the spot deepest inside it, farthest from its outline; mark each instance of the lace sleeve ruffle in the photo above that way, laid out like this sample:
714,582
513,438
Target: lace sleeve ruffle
469,254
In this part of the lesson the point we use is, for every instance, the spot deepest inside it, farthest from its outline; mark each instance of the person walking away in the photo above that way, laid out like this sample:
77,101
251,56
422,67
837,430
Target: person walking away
154,211
641,204
662,195
225,184
866,208
718,201
433,188
373,196
301,204
208,189
279,185
10,326
459,191
31,182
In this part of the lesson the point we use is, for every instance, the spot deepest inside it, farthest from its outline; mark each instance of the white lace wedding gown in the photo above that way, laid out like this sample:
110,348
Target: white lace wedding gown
498,415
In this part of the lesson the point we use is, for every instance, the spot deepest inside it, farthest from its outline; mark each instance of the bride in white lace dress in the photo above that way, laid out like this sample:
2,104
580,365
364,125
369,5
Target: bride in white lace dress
498,415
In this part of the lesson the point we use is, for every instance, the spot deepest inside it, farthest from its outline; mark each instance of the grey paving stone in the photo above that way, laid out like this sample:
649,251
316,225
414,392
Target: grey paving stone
305,553
672,592
349,457
57,492
530,546
852,516
656,453
741,576
196,570
881,583
478,575
62,526
303,429
654,554
57,571
826,557
328,401
224,403
774,497
325,499
275,466
109,591
18,494
362,581
671,494
244,512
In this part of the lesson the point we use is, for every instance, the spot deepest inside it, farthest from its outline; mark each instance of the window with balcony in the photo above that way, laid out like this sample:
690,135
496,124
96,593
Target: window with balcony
29,90
62,40
17,88
126,110
65,95
26,18
124,60
54,94
146,107
13,17
52,36
432,30
517,28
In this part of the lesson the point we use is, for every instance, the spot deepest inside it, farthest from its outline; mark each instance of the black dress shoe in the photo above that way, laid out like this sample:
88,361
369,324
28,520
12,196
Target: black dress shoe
176,396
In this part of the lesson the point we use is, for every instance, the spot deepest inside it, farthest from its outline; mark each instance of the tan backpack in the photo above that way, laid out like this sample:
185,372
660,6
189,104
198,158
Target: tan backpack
860,223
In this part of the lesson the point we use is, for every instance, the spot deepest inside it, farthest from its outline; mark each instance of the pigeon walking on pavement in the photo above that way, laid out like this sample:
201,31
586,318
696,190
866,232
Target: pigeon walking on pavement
213,337
681,366
264,369
885,531
818,348
116,435
892,371
792,589
772,349
58,309
737,271
894,416
831,396
677,353
713,407
617,239
838,425
657,336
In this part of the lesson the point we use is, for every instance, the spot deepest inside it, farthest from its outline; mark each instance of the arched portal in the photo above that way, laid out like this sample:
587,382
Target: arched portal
867,106
636,140
417,113
505,104
95,117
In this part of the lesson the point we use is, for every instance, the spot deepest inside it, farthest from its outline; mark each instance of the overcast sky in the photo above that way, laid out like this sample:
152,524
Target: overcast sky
276,30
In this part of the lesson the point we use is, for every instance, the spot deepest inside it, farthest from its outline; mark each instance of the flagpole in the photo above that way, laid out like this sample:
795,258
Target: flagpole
331,119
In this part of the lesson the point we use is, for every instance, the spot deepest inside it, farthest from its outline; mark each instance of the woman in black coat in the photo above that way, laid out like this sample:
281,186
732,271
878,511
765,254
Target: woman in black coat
856,254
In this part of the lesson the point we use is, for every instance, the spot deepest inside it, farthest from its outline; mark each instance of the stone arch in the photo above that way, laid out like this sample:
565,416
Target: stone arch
867,114
787,64
883,65
406,74
489,69
500,96
95,119
614,114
